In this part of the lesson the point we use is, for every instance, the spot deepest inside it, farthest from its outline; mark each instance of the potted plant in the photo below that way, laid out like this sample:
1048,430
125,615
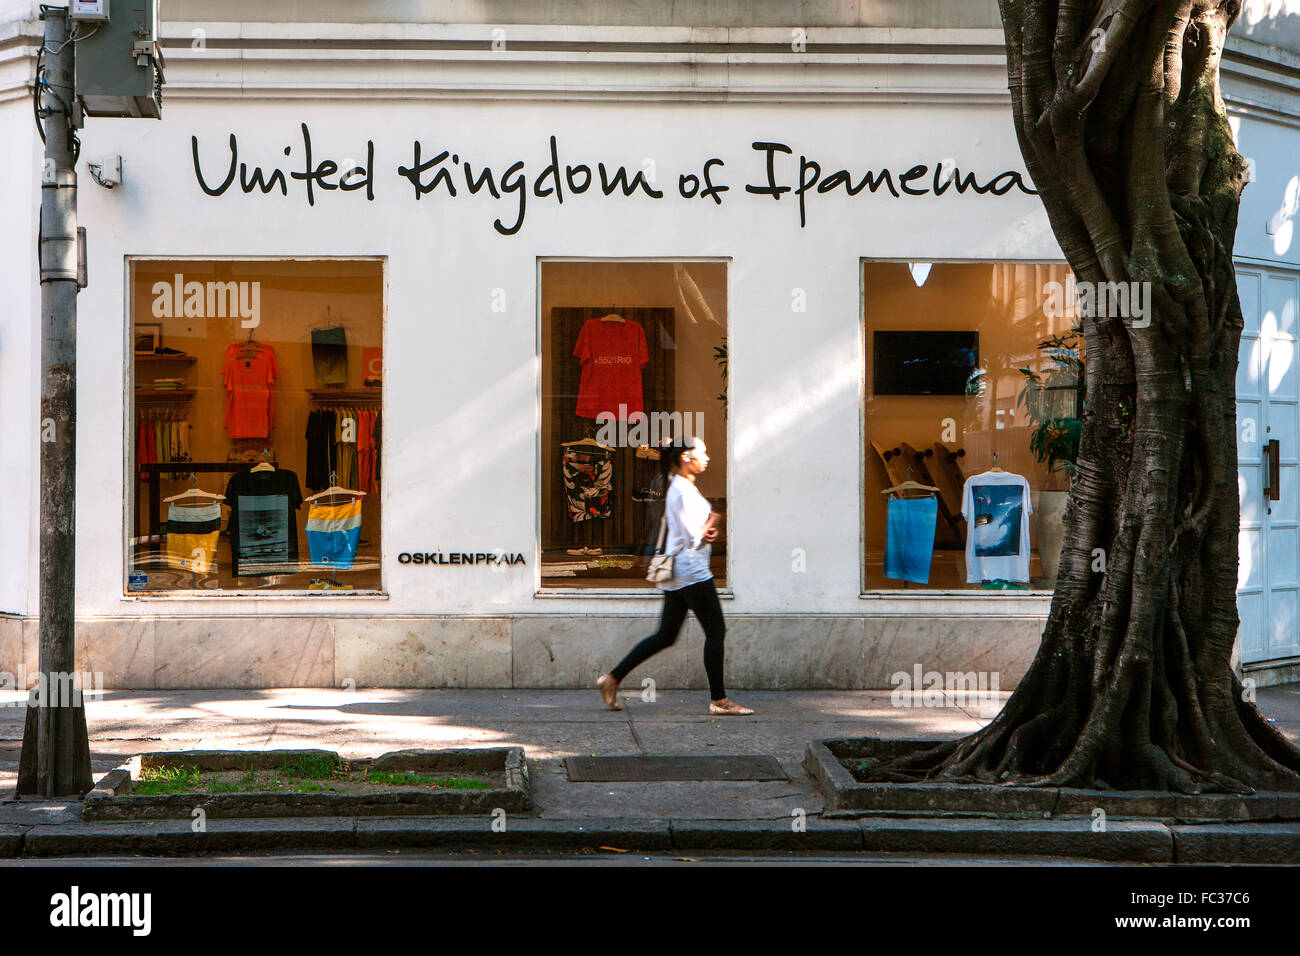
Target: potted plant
1053,400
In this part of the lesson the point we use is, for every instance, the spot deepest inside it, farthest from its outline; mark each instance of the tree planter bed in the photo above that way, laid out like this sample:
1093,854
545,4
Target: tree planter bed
502,769
831,762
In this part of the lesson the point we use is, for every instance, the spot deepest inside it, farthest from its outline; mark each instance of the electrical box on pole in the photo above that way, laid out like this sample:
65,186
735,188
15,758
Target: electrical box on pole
93,10
119,59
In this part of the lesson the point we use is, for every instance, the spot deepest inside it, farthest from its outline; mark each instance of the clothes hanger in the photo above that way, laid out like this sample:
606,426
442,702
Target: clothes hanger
996,467
334,490
908,485
266,462
250,347
589,440
195,492
612,316
327,322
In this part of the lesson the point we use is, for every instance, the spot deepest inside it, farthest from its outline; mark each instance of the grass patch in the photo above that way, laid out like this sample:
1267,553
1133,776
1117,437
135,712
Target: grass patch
400,777
308,774
315,767
156,780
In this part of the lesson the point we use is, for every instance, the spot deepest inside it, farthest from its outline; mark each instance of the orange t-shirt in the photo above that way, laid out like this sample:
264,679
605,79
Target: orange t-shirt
612,354
250,411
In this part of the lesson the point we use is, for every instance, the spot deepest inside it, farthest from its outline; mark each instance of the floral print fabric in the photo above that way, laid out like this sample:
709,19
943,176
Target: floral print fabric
588,481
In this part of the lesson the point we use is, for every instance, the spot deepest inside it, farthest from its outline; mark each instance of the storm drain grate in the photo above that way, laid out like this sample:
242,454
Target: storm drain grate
670,767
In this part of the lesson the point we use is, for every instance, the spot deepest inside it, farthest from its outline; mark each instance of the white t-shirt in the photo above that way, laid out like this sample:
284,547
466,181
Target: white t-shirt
687,511
997,509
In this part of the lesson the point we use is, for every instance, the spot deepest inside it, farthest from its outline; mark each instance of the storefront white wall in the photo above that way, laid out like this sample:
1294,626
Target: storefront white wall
462,381
1274,145
19,353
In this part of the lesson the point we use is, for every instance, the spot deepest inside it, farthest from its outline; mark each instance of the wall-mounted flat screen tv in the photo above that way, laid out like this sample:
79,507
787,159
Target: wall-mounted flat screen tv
924,363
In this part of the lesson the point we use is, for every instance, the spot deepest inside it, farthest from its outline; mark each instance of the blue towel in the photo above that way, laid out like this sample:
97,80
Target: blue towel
909,538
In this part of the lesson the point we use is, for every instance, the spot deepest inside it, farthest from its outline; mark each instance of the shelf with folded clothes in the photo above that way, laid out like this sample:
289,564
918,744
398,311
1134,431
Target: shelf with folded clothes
180,357
339,396
163,396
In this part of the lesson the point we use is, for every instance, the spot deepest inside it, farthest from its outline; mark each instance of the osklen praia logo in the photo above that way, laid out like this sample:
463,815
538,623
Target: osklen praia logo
460,557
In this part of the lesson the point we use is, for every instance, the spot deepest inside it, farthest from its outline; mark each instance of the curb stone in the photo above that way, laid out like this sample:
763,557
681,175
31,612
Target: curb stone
171,837
520,832
1123,841
113,800
1140,841
11,841
846,797
1237,843
765,835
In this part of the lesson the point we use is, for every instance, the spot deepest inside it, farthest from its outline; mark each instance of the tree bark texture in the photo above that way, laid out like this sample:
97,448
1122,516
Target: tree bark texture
1120,119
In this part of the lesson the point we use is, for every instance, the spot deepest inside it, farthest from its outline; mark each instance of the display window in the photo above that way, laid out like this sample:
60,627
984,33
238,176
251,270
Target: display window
633,354
974,406
256,425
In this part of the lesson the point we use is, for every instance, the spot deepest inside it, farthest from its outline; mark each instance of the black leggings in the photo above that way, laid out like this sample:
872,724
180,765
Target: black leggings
702,598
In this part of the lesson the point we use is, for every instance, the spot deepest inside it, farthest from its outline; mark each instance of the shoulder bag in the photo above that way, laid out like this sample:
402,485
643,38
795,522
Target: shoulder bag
661,565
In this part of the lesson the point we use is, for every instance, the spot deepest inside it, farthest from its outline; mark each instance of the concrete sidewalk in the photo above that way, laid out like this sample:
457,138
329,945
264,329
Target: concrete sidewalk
550,725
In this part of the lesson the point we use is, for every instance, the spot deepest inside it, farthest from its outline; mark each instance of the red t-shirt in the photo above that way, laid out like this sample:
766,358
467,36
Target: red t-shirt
250,409
612,354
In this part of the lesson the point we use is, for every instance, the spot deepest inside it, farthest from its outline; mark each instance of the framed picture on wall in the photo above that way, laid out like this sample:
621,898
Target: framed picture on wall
148,336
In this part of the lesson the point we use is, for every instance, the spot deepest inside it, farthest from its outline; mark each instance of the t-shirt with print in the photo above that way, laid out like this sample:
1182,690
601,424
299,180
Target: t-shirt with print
263,526
612,354
249,379
996,507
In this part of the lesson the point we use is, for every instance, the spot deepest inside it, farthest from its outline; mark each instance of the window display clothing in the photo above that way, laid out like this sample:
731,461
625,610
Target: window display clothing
366,450
322,454
329,355
355,464
249,372
146,448
333,533
192,531
263,526
163,440
647,478
996,507
687,511
588,480
346,436
612,354
909,537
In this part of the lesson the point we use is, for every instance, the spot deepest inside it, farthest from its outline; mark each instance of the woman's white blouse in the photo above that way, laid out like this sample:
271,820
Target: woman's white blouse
687,511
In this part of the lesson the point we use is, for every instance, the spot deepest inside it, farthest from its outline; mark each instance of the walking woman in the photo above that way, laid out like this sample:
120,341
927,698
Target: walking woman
691,532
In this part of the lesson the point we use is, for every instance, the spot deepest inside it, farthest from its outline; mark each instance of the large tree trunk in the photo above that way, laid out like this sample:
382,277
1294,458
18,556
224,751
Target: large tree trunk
1122,126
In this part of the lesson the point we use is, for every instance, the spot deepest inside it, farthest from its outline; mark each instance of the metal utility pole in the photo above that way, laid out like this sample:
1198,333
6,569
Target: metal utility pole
55,757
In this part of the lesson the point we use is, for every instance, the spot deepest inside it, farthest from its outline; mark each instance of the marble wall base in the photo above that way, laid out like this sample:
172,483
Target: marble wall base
776,652
555,652
11,647
1270,675
422,652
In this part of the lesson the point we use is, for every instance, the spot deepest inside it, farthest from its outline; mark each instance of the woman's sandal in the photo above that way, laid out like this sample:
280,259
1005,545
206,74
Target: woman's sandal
608,688
728,708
